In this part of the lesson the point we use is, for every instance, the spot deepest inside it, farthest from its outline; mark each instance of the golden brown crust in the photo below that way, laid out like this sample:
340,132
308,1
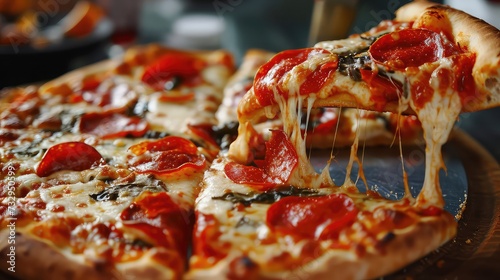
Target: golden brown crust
75,77
470,33
38,260
252,60
35,259
249,109
408,245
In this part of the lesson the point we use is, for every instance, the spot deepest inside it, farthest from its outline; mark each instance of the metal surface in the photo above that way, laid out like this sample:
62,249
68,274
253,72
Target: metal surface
383,171
472,175
331,20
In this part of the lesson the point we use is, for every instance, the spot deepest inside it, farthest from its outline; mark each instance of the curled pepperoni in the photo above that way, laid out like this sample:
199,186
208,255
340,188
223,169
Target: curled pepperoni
317,217
76,156
270,74
410,48
160,218
165,156
171,67
112,125
279,162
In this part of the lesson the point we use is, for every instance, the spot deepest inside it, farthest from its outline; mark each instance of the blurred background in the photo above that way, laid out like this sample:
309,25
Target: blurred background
42,39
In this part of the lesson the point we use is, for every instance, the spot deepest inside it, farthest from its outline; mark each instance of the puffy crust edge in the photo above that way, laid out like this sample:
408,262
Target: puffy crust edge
407,247
77,75
249,108
471,33
251,62
36,259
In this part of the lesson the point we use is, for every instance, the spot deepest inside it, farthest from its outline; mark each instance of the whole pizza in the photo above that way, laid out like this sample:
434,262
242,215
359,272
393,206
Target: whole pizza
176,164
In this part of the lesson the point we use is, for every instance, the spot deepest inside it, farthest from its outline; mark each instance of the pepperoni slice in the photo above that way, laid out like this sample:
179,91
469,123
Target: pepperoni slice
166,156
76,156
170,67
112,125
207,233
279,162
270,74
160,218
410,48
319,217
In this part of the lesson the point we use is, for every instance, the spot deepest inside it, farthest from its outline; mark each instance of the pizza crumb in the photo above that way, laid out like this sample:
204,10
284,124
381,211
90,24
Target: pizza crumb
440,264
468,241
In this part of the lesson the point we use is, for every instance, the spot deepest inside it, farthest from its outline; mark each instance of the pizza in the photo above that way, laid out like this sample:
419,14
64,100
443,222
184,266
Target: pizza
131,168
278,217
326,126
101,167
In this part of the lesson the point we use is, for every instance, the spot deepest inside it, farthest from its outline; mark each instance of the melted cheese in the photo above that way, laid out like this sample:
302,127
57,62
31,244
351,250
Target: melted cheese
175,117
350,45
438,117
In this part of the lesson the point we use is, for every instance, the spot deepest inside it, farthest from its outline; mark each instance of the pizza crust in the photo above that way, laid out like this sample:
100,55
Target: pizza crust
249,108
77,76
409,245
253,59
470,33
38,260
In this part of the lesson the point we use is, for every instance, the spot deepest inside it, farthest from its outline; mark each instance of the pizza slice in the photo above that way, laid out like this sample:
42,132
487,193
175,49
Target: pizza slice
426,65
266,212
325,126
101,211
382,69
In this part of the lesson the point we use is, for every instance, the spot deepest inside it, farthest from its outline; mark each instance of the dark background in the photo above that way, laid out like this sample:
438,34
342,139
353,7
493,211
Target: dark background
273,25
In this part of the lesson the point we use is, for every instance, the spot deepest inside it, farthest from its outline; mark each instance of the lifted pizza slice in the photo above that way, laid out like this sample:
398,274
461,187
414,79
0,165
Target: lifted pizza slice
326,127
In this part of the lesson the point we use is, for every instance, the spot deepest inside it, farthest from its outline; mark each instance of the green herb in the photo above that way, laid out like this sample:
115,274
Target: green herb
266,197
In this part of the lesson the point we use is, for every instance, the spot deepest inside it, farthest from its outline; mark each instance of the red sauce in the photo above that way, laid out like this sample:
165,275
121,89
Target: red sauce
421,90
112,125
465,85
459,79
57,208
383,89
431,211
7,136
